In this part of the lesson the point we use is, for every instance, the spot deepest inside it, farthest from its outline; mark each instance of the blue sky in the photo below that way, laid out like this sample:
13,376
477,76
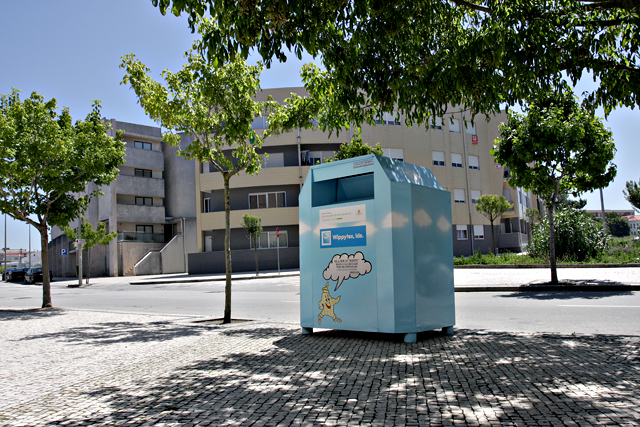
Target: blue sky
71,49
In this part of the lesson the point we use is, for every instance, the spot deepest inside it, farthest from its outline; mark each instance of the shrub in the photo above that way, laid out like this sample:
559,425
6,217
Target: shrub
578,237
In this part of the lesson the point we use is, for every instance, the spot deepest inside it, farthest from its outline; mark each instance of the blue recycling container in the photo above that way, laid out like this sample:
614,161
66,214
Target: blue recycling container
376,249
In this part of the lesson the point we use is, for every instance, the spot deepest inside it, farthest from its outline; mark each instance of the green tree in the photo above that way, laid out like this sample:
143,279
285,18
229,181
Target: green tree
213,103
423,55
45,159
493,206
354,148
91,237
556,148
632,193
577,236
533,215
617,226
565,201
251,224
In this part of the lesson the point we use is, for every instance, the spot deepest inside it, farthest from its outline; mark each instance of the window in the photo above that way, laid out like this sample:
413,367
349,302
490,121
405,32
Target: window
147,229
454,125
142,145
458,195
276,160
394,153
461,232
206,206
478,231
475,195
470,129
142,172
438,158
438,125
267,200
456,160
269,240
310,158
144,201
259,123
474,162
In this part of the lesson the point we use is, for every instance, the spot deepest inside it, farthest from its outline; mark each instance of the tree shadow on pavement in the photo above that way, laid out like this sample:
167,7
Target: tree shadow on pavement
254,374
29,313
585,289
106,333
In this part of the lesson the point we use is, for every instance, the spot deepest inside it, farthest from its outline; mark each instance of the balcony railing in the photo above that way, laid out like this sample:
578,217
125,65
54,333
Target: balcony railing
132,236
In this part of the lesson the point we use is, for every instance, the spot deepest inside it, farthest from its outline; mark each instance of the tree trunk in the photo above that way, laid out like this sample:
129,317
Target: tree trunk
552,244
46,282
255,251
493,239
227,250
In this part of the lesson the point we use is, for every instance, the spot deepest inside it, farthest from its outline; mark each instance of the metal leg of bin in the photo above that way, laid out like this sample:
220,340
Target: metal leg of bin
447,330
307,331
410,337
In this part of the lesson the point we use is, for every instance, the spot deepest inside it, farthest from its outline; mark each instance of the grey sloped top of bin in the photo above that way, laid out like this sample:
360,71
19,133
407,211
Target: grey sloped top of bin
400,171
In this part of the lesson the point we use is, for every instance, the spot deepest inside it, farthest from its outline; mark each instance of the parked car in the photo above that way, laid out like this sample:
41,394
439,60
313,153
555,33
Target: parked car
34,275
6,273
16,274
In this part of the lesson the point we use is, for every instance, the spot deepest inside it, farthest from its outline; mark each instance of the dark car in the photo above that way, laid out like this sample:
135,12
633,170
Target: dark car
34,275
5,273
16,274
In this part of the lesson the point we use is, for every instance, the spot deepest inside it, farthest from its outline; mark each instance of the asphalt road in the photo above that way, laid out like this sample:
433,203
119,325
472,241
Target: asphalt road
277,299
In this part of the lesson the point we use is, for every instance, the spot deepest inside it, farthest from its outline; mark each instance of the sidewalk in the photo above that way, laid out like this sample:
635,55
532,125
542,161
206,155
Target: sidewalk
89,368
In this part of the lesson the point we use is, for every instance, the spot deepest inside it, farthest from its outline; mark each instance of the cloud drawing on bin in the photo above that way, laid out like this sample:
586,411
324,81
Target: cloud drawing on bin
345,266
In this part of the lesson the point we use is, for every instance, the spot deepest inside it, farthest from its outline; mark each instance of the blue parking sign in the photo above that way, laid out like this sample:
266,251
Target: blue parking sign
63,251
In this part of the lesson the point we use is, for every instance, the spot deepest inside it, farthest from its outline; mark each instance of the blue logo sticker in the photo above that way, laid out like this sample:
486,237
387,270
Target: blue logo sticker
343,237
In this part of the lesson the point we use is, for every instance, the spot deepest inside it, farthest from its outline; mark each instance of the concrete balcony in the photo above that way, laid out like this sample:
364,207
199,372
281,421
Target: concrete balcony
288,175
141,214
144,159
270,217
140,186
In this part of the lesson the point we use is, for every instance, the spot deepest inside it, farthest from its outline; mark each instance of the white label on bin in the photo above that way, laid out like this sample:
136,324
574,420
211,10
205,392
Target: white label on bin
351,213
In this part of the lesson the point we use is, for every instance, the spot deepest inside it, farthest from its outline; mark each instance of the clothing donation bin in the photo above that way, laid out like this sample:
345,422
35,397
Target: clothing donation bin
376,249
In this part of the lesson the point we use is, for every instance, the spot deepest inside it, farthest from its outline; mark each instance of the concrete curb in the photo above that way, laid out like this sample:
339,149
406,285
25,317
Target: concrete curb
545,266
211,279
546,288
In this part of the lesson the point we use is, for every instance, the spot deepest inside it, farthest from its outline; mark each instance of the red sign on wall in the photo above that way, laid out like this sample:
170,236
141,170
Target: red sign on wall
474,139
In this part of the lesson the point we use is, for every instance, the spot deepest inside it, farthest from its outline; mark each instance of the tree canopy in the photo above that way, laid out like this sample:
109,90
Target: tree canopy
617,226
251,224
46,161
419,56
354,148
214,104
91,237
632,193
492,206
556,148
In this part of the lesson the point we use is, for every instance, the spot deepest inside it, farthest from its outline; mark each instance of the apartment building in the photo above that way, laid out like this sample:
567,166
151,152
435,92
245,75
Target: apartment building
150,205
457,154
634,224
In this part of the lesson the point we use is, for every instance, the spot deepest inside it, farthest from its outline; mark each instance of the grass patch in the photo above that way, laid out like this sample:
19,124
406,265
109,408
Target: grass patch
623,250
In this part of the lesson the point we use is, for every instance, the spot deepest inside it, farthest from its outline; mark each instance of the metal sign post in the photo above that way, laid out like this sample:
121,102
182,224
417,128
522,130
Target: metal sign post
79,243
278,245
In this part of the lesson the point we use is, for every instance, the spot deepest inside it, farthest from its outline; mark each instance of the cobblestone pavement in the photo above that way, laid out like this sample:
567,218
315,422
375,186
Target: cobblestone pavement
88,368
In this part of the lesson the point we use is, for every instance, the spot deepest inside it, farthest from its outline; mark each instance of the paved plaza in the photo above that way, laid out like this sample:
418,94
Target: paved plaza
92,368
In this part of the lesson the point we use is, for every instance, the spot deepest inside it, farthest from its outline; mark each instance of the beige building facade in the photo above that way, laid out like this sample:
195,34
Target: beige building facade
457,153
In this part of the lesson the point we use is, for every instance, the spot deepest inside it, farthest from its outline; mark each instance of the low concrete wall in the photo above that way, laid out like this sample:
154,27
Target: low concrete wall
243,260
172,256
131,252
150,264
